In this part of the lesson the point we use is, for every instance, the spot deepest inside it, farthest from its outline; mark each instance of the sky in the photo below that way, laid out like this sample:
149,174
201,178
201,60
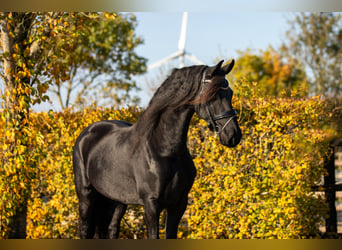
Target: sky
210,36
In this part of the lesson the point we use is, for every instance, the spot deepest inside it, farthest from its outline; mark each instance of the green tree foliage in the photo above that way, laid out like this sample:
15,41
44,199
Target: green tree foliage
98,58
315,39
270,74
75,52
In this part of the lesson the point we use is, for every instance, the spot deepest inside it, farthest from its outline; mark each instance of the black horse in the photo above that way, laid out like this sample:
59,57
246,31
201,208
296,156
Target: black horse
148,163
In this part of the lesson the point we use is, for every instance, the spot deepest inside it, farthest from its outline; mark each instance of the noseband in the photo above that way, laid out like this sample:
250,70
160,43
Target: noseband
231,114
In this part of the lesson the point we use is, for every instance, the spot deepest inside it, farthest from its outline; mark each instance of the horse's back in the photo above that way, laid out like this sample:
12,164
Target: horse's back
94,133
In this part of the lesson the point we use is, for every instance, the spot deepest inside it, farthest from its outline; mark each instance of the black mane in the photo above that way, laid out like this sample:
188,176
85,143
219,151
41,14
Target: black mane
180,88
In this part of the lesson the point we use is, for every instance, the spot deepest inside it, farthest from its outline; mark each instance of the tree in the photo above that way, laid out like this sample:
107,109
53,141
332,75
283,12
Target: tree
270,73
315,39
99,59
38,50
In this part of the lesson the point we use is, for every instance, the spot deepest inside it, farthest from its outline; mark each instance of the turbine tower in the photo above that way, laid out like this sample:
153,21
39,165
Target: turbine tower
181,53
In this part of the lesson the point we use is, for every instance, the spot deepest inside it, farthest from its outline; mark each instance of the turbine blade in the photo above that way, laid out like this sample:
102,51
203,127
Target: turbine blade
182,37
193,58
164,60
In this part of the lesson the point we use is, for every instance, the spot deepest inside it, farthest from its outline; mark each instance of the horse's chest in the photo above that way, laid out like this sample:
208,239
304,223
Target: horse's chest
179,183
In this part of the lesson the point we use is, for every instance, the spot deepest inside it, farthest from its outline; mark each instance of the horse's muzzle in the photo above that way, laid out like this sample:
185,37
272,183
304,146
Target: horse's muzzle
231,136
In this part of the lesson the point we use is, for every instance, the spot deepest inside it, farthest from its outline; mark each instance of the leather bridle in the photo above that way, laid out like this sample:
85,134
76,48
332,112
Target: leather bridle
231,114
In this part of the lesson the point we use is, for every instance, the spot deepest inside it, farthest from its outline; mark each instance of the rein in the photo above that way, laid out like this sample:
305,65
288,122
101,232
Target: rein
231,114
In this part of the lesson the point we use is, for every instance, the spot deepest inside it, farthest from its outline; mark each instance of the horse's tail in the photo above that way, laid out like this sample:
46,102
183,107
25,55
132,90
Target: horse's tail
81,179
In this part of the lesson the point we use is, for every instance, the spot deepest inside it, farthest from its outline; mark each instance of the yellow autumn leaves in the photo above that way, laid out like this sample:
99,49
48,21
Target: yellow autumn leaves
260,189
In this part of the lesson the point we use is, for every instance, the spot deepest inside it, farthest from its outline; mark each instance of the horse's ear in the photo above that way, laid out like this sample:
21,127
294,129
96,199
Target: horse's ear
215,69
227,68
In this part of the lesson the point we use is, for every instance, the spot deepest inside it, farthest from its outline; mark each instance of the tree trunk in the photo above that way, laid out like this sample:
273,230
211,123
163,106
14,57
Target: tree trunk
7,45
18,225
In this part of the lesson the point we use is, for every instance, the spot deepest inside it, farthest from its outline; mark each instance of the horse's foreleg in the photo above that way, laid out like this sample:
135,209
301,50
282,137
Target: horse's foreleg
152,213
174,215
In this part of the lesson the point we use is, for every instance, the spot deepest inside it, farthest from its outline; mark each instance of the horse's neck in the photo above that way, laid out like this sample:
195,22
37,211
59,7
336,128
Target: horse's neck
170,134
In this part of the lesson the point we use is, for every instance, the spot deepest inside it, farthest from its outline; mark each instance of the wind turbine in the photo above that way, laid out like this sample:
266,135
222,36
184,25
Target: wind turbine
181,53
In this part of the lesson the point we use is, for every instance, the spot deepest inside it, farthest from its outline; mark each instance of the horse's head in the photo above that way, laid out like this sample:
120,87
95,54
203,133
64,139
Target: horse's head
214,104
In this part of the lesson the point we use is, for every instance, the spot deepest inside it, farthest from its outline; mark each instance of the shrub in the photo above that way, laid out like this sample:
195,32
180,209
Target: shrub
260,189
263,187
